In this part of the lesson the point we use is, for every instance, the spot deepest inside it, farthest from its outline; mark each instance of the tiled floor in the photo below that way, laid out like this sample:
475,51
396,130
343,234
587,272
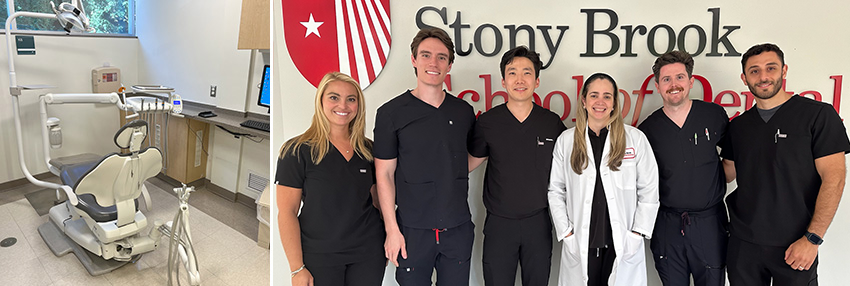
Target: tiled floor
225,256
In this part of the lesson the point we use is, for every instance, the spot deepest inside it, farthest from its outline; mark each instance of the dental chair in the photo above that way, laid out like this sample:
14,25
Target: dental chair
102,225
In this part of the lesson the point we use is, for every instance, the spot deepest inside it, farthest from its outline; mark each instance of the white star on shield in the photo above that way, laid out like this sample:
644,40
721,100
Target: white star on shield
312,26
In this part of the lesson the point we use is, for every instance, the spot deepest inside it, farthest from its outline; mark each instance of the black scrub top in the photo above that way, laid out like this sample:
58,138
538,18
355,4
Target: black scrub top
337,216
516,182
600,220
430,145
691,176
778,183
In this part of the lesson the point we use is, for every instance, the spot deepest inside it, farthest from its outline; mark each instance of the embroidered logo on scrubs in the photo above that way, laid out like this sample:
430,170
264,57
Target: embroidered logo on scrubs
630,153
362,171
352,37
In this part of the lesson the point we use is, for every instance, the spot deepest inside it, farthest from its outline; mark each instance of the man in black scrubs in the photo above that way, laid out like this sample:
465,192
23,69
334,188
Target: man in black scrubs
690,230
518,137
788,156
420,150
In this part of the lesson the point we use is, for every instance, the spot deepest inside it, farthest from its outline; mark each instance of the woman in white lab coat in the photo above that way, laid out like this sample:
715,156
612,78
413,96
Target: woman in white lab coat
602,236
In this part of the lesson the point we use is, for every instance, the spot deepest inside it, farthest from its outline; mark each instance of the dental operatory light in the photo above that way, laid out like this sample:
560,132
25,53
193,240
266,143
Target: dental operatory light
72,16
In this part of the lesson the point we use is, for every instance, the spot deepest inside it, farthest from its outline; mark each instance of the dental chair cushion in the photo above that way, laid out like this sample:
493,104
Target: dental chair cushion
70,174
88,204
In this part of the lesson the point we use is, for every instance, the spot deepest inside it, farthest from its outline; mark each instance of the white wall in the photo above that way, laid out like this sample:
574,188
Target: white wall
804,31
191,45
64,62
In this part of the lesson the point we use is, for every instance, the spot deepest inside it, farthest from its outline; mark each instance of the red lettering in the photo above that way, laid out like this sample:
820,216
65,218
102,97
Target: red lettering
736,99
706,88
750,101
817,96
640,93
627,103
547,101
579,82
474,98
836,92
785,88
488,97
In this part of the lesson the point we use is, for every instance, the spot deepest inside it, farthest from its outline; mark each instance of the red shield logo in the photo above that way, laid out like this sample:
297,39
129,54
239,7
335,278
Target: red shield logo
349,36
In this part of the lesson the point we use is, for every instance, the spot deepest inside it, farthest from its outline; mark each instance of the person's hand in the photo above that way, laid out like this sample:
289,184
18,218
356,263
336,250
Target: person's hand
393,245
801,254
303,278
568,235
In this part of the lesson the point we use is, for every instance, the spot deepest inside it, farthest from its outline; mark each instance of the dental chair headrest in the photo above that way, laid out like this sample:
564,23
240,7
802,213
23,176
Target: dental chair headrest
131,135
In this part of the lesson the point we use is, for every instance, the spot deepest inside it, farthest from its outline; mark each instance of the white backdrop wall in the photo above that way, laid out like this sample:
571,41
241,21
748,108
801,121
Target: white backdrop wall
814,53
191,45
64,62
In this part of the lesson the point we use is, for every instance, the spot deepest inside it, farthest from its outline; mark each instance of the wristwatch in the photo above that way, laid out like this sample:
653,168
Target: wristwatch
814,238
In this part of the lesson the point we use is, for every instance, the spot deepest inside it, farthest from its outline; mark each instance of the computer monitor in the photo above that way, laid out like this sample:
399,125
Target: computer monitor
264,99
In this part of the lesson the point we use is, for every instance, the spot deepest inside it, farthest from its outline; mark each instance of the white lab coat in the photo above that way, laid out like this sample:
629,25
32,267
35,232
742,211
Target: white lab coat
632,195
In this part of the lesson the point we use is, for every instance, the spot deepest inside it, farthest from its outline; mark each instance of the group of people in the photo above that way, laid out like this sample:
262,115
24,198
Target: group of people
604,186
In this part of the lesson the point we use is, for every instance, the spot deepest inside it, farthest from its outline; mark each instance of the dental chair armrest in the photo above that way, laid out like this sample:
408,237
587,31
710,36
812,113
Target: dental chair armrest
72,197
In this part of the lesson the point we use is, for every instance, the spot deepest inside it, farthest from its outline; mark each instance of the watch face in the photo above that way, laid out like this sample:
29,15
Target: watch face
814,238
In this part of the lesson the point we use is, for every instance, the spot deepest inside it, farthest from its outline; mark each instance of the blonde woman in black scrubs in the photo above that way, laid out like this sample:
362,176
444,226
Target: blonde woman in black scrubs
338,237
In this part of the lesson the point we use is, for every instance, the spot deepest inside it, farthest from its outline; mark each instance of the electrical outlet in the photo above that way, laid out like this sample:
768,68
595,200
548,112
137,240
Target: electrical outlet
212,90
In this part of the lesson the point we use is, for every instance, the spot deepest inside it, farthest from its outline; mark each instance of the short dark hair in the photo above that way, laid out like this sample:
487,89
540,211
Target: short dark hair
437,33
521,51
673,57
757,50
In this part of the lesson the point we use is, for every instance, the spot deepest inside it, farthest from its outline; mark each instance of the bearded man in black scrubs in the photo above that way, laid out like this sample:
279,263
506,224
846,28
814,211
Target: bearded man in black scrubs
690,230
788,156
421,166
518,137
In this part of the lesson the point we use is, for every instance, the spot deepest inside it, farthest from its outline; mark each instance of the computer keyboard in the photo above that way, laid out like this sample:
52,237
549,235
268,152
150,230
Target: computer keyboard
259,125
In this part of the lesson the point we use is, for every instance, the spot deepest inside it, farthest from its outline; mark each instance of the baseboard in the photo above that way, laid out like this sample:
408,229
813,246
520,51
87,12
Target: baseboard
24,181
221,192
246,201
173,183
212,188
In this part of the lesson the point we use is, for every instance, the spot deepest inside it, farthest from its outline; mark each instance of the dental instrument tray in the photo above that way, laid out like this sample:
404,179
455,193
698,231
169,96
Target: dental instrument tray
151,88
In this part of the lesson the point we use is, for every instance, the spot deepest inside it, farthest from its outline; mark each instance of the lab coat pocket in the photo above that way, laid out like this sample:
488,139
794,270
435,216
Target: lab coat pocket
570,251
626,177
634,248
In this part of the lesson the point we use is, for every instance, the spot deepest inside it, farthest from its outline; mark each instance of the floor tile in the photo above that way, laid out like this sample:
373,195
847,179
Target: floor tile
226,256
26,270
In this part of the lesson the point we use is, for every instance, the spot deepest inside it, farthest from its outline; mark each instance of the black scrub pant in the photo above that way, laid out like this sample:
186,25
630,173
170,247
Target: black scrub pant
447,250
527,240
600,263
691,242
367,272
754,264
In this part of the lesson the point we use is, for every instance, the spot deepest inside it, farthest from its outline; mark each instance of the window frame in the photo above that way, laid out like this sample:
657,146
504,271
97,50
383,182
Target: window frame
131,25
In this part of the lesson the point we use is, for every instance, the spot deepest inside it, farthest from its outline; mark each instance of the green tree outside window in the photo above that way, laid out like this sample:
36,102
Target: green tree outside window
105,16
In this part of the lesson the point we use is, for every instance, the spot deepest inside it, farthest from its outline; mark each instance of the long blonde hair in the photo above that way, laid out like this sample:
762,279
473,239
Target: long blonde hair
617,133
318,135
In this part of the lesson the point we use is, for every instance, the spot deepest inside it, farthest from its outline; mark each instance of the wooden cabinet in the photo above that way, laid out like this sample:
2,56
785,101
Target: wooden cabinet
188,142
185,156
